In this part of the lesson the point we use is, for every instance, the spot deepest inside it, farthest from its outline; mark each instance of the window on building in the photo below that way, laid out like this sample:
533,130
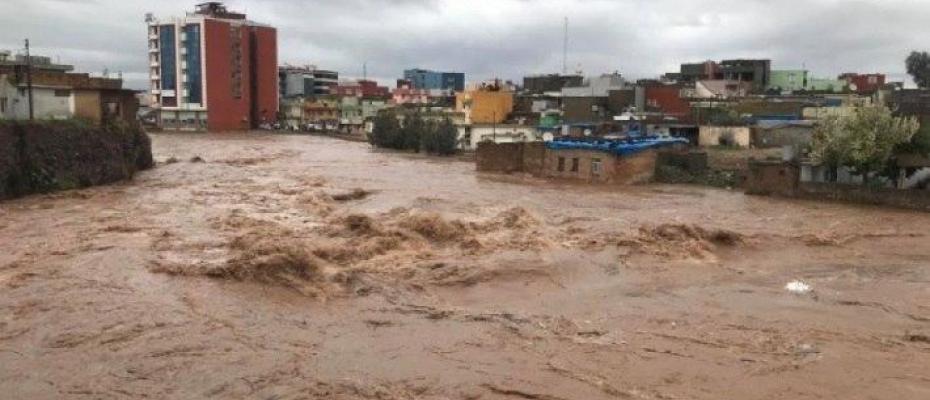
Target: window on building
2,104
62,93
561,164
574,165
595,166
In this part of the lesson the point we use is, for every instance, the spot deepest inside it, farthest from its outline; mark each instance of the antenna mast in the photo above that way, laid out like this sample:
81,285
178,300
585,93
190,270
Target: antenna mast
565,49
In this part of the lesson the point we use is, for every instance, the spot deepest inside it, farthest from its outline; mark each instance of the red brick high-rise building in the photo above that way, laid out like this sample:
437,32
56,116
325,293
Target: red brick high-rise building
213,70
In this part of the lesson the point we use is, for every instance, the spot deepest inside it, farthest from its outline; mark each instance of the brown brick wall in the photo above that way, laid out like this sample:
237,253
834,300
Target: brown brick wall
772,178
534,157
637,168
87,105
504,157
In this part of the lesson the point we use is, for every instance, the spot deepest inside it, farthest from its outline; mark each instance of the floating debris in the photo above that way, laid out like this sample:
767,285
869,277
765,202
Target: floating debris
798,287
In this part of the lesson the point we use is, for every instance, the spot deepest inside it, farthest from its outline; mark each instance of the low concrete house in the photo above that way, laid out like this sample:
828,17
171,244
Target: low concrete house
62,95
593,161
497,133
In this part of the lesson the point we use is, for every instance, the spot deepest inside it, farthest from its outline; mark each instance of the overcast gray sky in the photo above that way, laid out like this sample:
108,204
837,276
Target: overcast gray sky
502,38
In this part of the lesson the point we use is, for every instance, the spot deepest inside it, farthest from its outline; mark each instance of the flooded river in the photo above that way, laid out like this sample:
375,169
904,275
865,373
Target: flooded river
292,267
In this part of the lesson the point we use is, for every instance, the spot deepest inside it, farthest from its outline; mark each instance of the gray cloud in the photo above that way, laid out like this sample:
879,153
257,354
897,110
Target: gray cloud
501,38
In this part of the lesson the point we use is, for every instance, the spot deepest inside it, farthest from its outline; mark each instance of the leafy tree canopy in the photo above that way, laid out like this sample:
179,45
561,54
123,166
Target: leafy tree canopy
864,141
918,66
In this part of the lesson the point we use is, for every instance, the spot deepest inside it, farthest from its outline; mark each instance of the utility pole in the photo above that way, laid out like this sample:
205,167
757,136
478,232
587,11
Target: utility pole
365,71
29,81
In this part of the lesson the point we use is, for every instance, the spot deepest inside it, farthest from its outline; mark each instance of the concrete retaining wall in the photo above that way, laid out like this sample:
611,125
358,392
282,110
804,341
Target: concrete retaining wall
900,198
783,179
58,155
693,162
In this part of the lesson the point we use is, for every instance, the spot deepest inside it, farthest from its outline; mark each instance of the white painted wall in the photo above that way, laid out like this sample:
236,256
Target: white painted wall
46,104
503,134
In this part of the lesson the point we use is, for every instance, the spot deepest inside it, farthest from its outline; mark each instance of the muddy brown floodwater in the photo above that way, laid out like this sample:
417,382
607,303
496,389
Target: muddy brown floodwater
288,267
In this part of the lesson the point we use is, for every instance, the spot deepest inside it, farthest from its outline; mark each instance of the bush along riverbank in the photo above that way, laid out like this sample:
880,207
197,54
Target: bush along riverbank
47,156
416,134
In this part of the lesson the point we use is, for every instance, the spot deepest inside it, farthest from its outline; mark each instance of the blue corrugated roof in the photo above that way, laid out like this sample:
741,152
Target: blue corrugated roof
618,147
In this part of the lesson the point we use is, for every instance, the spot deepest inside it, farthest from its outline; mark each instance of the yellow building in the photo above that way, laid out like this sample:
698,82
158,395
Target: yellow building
485,106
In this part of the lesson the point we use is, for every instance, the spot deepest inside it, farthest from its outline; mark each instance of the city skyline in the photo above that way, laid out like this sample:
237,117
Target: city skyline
507,39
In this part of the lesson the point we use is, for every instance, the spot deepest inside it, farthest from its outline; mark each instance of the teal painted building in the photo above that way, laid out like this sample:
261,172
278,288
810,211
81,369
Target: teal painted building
788,80
796,80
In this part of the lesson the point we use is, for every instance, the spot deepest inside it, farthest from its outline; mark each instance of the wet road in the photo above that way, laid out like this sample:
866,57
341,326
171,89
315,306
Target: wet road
259,271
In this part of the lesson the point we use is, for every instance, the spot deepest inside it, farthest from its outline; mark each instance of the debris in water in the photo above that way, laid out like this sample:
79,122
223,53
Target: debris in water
820,240
916,337
355,194
806,349
798,287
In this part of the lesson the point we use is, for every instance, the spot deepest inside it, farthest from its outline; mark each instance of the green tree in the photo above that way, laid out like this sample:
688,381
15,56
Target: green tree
386,129
415,128
918,66
864,141
445,137
920,143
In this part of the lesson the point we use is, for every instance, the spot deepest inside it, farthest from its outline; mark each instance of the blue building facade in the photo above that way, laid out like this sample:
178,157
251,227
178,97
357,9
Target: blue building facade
169,76
194,64
426,79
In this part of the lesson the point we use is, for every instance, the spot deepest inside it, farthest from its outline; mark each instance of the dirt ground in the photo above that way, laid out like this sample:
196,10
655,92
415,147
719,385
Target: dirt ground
294,267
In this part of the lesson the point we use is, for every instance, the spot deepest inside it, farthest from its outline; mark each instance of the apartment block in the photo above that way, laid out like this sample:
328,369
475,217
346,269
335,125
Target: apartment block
306,81
430,80
213,69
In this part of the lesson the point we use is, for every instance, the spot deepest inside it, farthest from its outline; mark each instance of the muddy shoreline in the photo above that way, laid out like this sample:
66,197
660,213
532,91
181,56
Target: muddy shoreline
285,266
